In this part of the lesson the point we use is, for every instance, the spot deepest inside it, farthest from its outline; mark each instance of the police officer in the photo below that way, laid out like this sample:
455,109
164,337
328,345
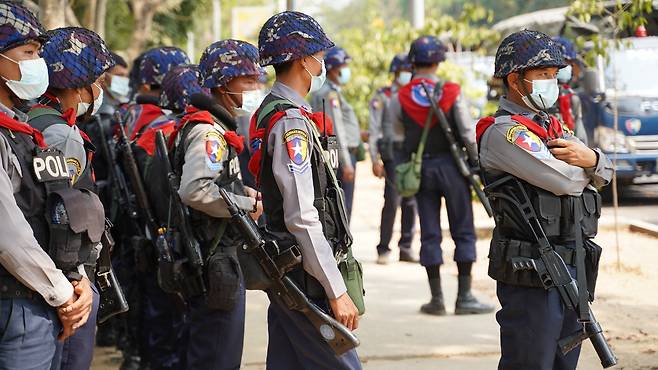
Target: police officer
76,58
37,300
568,108
294,44
386,152
409,110
205,156
346,125
558,172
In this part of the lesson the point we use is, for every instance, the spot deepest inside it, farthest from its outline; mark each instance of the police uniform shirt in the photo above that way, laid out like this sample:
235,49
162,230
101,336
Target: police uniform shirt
20,253
509,147
206,155
376,108
346,125
289,145
463,120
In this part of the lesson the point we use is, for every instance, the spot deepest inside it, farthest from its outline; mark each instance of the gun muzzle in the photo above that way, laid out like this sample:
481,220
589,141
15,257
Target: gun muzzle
594,332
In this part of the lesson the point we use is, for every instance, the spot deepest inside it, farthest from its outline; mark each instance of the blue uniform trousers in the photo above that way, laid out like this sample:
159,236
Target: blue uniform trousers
532,320
295,344
216,337
77,351
393,201
441,179
28,333
348,186
164,327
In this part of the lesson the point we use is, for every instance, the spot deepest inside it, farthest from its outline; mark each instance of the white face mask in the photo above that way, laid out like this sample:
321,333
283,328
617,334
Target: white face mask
544,94
317,81
564,74
84,107
251,100
120,87
404,78
34,78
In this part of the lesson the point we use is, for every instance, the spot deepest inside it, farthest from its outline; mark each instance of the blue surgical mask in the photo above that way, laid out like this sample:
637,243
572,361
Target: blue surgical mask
404,78
564,74
317,81
544,94
345,75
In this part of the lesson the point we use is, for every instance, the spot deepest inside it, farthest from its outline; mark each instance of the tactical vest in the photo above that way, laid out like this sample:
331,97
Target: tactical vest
556,214
65,221
206,227
436,143
327,201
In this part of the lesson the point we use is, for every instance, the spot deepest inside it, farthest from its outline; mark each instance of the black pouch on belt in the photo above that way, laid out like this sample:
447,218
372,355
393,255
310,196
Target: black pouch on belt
223,279
592,257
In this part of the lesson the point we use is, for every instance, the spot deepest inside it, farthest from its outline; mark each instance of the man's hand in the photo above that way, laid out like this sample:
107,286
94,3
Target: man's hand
255,215
378,169
573,153
251,193
345,311
348,174
78,312
67,325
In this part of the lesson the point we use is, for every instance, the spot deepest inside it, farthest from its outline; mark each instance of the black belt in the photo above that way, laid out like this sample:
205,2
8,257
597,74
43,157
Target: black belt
12,288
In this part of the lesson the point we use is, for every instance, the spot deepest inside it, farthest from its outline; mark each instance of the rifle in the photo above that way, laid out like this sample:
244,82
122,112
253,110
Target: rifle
553,273
192,282
275,265
112,300
458,153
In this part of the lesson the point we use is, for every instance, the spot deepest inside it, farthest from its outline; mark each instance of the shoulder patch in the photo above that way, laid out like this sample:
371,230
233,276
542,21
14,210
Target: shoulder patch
74,168
296,141
520,136
215,146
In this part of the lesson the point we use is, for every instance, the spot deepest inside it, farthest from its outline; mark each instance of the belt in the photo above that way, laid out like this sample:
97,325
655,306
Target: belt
519,248
12,288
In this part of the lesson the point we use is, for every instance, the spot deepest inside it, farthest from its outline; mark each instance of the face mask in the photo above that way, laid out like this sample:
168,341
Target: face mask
404,78
345,75
120,87
250,101
564,74
544,94
98,101
84,107
34,78
317,81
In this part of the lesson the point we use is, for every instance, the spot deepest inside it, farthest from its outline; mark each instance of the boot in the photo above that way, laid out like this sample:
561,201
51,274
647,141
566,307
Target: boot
435,305
406,255
467,304
382,258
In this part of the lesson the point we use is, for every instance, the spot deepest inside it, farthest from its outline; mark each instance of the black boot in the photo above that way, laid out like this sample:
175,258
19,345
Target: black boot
435,305
467,304
406,255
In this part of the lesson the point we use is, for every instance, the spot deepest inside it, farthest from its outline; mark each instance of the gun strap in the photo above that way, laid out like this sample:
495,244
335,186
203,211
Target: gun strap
218,236
581,278
426,129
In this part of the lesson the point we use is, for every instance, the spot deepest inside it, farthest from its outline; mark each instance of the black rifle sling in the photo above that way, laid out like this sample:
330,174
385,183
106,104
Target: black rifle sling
581,278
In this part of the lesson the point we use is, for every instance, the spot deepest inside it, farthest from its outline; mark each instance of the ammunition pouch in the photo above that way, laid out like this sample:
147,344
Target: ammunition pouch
76,221
175,276
224,276
592,258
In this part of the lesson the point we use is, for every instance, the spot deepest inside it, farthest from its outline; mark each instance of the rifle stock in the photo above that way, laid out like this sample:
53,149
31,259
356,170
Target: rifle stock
457,152
337,336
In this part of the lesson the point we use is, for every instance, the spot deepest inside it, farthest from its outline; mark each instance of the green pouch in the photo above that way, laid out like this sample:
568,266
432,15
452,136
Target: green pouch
407,177
360,152
352,272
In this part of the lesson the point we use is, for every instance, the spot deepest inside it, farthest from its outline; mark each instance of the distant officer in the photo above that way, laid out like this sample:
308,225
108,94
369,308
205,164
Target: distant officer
346,125
568,108
386,151
409,110
37,301
205,156
559,174
291,181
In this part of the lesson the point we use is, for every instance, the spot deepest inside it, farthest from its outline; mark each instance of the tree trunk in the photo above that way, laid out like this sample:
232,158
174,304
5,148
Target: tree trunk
90,15
53,13
101,10
143,12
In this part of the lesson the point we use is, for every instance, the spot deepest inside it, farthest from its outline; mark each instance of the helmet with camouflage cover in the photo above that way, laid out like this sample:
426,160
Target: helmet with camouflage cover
336,57
400,61
76,57
156,62
18,25
178,85
290,36
226,59
428,50
525,50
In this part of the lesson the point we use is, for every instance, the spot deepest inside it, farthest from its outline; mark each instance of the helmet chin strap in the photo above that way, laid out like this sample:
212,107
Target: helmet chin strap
527,94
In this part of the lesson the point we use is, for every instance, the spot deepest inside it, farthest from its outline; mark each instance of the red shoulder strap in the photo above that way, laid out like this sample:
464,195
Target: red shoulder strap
564,102
482,126
554,130
22,127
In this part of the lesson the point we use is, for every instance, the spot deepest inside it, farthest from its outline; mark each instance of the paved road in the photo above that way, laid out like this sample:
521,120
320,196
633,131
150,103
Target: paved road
637,202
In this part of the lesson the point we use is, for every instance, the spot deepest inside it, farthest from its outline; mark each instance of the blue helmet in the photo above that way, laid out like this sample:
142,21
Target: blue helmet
76,57
289,36
336,57
178,85
525,50
400,61
18,25
427,49
568,48
156,62
224,60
